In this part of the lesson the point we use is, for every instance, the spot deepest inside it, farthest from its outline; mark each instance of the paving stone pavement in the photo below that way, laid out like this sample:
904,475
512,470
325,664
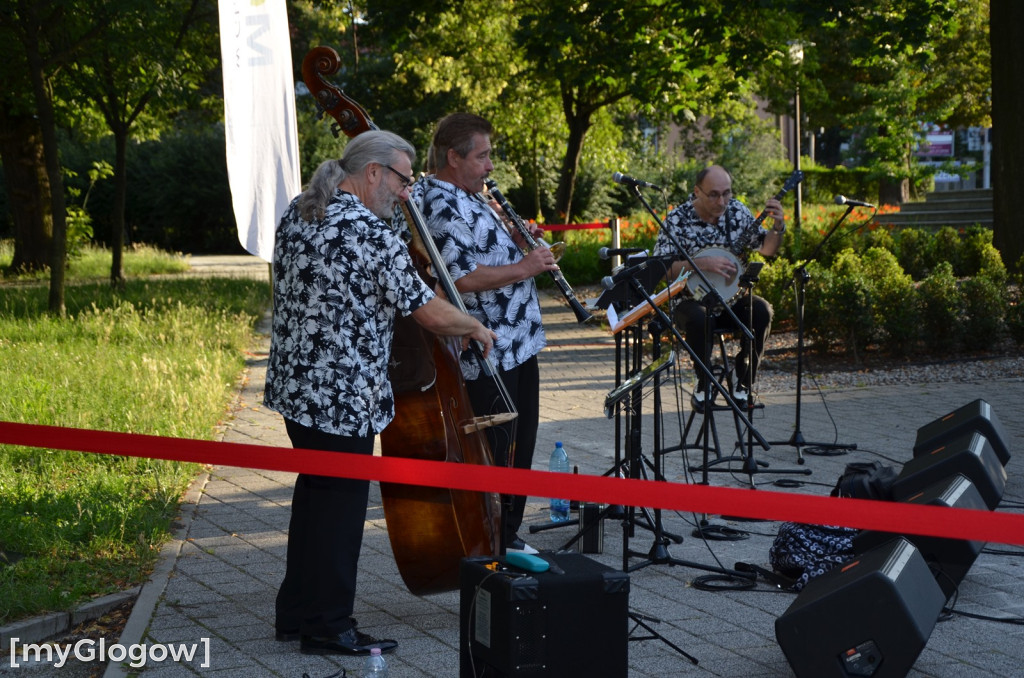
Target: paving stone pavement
218,579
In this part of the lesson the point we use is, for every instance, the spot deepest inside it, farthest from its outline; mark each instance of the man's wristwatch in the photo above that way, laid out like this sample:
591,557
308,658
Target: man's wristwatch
782,230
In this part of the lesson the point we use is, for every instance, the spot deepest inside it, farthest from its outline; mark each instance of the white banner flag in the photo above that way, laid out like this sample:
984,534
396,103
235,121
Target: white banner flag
259,118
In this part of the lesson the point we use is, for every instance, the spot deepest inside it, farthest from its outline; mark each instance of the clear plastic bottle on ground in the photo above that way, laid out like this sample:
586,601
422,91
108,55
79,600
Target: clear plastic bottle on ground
559,462
375,666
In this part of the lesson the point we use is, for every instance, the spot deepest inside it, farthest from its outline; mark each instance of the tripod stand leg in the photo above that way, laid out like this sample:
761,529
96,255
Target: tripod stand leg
640,621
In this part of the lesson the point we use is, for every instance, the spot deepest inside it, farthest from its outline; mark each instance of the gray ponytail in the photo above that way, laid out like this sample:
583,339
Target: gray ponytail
320,190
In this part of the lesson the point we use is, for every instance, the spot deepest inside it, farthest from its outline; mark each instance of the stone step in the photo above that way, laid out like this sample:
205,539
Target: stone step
976,203
962,194
935,220
960,209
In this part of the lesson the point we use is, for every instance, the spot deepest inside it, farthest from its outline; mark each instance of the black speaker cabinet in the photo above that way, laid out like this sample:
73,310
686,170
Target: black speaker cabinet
871,617
970,455
974,416
572,621
949,559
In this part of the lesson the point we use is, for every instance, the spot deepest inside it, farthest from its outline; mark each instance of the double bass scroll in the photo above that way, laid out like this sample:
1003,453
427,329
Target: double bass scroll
349,117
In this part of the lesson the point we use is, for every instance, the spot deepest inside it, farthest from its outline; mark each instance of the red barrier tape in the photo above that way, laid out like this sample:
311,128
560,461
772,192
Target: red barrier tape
575,227
859,513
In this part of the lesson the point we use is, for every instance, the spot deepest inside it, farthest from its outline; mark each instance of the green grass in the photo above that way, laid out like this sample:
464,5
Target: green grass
159,357
93,263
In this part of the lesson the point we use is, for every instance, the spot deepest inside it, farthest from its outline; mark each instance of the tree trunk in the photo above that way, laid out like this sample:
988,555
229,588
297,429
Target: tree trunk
120,197
43,94
1006,33
578,120
28,190
893,191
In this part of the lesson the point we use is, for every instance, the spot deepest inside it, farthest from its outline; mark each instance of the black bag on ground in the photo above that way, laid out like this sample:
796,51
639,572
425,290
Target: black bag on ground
866,480
802,552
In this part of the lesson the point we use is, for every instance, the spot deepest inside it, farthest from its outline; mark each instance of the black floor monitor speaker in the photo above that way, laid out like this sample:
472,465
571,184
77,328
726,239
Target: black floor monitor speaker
974,416
871,617
949,559
569,621
970,455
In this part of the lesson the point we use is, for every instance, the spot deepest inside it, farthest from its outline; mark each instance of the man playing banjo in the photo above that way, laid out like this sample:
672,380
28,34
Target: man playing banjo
718,232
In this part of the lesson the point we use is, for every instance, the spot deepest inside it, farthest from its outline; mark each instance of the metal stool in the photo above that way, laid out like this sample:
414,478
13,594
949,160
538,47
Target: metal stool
722,371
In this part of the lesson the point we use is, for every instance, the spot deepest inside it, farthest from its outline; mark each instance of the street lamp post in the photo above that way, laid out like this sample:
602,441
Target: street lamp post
796,54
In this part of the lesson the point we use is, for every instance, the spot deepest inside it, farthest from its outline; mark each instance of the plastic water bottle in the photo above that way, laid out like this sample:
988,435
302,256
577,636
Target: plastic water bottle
375,666
559,462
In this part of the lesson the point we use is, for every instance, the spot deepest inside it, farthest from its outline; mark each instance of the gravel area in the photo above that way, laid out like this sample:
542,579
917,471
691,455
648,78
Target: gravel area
837,370
778,373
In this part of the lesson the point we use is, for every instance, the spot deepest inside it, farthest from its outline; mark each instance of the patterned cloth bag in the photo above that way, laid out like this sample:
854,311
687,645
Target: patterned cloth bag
802,552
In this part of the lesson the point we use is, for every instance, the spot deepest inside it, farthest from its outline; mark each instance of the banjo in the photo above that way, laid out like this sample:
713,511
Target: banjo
729,288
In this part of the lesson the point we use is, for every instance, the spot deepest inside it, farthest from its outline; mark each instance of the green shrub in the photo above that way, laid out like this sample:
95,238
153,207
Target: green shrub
941,320
949,247
840,308
985,305
990,265
980,257
776,286
1015,318
881,237
914,252
897,315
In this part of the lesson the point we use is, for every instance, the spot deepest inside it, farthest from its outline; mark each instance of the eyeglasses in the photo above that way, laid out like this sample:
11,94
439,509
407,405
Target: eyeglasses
715,195
406,181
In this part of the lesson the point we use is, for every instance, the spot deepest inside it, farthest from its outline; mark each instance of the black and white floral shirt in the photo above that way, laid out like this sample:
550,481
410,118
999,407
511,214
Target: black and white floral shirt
469,234
337,286
735,231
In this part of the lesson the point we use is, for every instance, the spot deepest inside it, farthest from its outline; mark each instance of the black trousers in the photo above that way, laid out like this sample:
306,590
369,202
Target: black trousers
523,385
692,316
325,535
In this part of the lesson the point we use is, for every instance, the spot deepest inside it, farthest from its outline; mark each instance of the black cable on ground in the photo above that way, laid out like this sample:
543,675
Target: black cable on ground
720,533
723,582
825,451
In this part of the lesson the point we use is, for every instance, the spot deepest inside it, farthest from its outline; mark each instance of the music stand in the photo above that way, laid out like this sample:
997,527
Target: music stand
649,271
658,553
801,276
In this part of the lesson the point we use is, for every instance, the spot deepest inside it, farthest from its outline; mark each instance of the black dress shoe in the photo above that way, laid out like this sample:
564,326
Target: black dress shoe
350,642
291,635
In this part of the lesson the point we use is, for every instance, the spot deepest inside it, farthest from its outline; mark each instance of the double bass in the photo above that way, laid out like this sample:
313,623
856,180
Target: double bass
431,529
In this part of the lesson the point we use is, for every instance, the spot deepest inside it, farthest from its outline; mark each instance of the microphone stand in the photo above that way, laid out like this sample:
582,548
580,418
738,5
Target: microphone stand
750,466
800,278
697,362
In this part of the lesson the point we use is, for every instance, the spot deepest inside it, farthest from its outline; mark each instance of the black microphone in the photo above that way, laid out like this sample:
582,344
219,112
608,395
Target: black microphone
843,200
610,281
621,178
608,252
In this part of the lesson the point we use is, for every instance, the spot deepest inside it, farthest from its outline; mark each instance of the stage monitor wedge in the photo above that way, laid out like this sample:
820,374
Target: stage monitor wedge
949,559
974,416
970,455
871,617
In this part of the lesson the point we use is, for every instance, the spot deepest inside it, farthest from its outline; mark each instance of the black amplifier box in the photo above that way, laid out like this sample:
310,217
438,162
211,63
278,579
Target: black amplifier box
570,620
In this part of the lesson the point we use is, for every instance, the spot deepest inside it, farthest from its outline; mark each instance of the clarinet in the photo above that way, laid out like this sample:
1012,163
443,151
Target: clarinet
582,316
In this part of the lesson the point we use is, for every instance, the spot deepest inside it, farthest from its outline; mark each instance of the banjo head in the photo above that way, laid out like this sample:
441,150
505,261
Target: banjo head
728,288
